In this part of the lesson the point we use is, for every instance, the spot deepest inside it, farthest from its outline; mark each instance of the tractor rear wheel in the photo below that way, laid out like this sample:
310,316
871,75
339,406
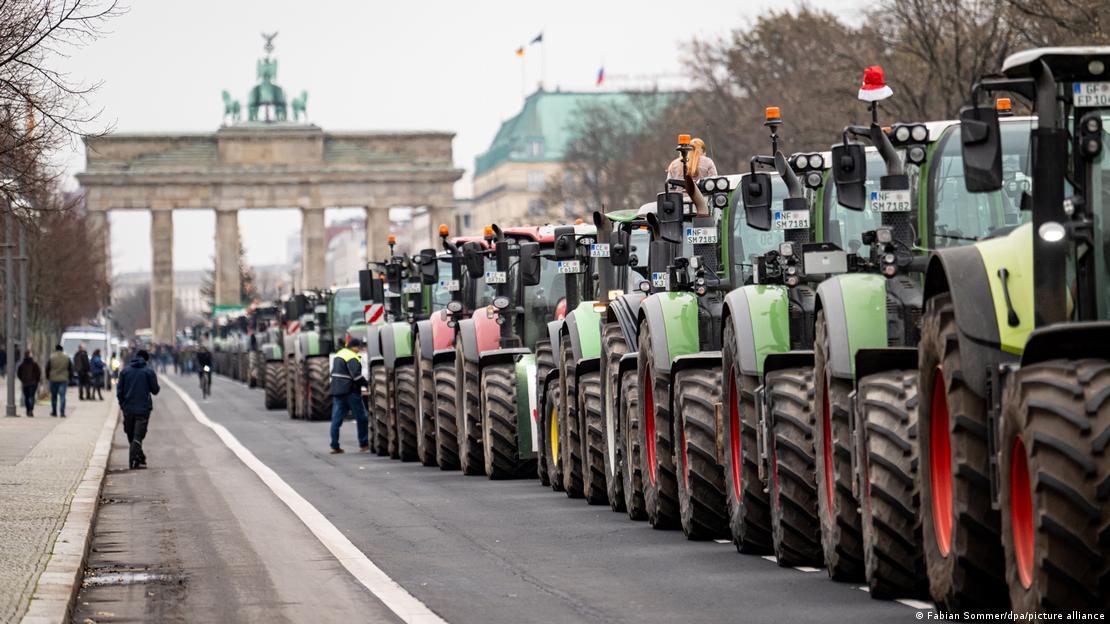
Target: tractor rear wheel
1055,474
447,432
404,404
545,362
379,403
275,385
633,459
500,435
701,482
550,436
319,389
469,414
425,412
960,531
570,422
889,492
837,507
749,507
657,440
255,371
593,441
796,531
291,389
613,347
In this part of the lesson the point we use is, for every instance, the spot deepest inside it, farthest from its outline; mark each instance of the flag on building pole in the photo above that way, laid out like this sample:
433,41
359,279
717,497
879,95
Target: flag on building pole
600,76
538,39
520,51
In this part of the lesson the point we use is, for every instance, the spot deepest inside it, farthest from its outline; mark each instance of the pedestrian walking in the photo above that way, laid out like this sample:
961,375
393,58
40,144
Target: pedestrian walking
96,375
81,368
346,379
29,374
59,370
137,382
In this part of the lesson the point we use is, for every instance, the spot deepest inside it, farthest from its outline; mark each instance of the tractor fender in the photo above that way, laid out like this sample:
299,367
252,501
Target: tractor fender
424,339
554,329
373,341
465,333
703,359
396,343
871,361
1067,340
672,318
760,318
789,359
501,356
583,327
586,365
627,363
623,310
855,317
443,335
487,333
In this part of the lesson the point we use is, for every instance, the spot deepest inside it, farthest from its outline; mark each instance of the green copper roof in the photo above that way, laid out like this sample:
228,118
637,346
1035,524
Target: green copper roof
541,130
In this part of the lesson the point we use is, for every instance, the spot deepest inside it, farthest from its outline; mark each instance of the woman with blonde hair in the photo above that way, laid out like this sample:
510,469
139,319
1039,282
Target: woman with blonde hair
697,164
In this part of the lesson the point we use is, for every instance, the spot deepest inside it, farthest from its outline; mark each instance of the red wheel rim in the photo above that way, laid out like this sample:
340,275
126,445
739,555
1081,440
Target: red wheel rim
1021,513
649,423
826,444
940,465
734,432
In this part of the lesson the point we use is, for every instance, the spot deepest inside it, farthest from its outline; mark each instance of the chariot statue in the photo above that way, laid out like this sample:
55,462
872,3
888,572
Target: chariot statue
266,101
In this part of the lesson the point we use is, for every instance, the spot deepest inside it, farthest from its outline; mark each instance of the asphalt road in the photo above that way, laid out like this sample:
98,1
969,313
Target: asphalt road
472,550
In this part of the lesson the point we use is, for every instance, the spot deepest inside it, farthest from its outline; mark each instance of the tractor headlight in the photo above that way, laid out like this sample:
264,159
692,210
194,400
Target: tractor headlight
816,161
884,235
920,133
813,179
916,154
720,200
645,286
1051,232
454,306
786,250
902,134
500,302
801,161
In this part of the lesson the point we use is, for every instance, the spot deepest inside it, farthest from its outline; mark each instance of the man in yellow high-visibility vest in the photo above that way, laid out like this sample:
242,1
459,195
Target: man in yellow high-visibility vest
346,379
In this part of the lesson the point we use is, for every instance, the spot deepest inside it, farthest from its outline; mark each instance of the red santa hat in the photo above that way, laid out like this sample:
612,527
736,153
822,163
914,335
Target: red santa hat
874,86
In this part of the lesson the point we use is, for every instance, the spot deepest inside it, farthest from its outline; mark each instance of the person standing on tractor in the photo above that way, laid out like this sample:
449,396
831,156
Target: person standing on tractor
137,383
59,370
81,367
697,163
346,379
29,375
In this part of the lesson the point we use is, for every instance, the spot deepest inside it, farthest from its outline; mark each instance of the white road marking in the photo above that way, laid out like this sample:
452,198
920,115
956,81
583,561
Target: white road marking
723,541
864,588
917,604
407,607
771,558
806,569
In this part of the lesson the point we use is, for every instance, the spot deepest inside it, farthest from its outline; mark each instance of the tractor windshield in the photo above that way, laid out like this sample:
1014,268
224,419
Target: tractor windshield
541,300
441,296
958,217
1100,208
346,309
843,226
747,241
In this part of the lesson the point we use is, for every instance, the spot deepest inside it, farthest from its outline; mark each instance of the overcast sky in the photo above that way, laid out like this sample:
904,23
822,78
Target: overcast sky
367,65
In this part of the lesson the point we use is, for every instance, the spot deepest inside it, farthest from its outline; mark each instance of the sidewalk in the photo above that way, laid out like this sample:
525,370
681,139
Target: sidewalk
44,463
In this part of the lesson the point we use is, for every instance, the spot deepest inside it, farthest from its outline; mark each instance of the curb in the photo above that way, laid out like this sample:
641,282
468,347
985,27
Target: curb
56,589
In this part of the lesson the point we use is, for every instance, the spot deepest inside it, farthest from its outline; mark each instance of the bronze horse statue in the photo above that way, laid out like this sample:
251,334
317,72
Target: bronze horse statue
300,106
231,108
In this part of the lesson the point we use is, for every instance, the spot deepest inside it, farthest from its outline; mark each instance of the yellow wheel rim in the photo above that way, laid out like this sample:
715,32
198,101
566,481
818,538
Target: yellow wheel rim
554,438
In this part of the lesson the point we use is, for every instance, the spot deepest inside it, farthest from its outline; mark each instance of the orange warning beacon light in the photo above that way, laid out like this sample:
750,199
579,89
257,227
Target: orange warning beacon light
1004,106
488,231
443,231
683,139
391,239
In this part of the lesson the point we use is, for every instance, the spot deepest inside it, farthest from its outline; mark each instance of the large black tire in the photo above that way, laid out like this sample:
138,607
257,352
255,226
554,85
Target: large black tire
319,389
256,372
889,496
447,431
593,440
657,440
404,404
749,507
500,435
425,411
968,574
570,422
545,362
633,460
549,433
469,414
613,346
837,507
1055,486
379,409
702,509
291,387
796,531
275,385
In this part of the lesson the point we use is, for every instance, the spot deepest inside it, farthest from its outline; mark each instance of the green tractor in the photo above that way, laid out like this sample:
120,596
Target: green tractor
261,323
1014,418
270,345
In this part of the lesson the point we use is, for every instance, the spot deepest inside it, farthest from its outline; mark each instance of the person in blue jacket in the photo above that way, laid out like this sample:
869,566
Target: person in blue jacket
137,383
346,380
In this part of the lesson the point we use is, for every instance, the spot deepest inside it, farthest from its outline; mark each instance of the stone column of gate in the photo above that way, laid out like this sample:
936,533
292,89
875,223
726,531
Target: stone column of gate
161,275
100,234
377,232
227,257
313,248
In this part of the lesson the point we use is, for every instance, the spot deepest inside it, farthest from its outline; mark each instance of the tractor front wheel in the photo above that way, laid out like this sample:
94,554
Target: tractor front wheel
500,443
275,385
425,412
593,441
657,440
570,422
793,481
379,402
632,471
613,347
701,482
404,404
447,431
469,414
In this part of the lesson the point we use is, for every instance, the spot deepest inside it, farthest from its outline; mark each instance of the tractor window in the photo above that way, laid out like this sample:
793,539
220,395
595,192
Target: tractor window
347,310
1100,208
541,300
959,217
441,296
843,226
747,242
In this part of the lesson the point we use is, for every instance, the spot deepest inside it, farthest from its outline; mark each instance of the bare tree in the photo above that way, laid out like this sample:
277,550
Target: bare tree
1062,22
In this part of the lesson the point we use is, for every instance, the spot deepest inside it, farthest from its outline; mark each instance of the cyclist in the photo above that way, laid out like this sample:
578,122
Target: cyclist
204,368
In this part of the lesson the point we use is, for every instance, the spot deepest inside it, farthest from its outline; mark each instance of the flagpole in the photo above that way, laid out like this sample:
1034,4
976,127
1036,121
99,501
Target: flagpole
543,64
523,80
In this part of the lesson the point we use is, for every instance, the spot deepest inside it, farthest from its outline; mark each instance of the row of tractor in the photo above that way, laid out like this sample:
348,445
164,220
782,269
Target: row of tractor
890,359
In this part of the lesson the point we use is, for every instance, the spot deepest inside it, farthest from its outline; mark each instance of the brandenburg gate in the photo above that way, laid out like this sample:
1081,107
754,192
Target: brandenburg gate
266,161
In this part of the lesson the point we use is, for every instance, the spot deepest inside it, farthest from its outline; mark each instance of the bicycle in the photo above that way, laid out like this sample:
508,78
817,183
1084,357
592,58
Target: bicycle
206,382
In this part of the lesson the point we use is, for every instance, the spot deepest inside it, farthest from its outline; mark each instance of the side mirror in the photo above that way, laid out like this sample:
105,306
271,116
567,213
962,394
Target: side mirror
849,172
564,242
394,275
530,263
365,277
981,146
472,257
755,192
668,207
429,267
301,304
620,247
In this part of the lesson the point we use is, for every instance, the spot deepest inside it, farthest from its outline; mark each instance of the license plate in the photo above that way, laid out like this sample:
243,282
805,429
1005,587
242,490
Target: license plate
790,220
568,266
599,250
1090,94
701,235
496,277
412,289
890,201
661,280
449,285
